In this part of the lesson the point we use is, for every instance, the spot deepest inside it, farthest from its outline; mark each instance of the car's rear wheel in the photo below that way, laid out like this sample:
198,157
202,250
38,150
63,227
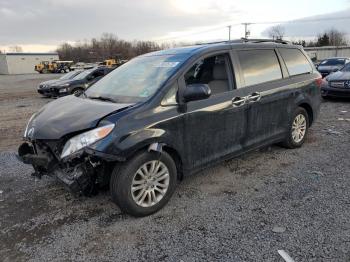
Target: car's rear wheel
144,184
298,129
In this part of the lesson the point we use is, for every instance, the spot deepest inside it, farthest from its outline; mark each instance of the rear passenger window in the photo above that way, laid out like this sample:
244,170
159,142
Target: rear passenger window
296,61
259,66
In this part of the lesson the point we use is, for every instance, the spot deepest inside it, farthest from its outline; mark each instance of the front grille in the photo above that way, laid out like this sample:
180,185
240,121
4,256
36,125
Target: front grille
337,84
340,84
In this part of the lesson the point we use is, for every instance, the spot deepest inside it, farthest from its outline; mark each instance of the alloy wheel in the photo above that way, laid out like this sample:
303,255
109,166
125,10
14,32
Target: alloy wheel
299,128
150,183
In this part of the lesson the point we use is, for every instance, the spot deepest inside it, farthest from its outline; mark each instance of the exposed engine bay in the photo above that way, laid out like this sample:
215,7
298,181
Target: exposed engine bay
82,173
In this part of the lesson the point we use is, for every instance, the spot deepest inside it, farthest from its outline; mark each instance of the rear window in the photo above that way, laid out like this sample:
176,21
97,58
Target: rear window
296,61
259,66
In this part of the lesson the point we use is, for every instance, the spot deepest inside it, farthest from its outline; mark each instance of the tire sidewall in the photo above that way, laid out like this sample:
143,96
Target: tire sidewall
122,183
297,112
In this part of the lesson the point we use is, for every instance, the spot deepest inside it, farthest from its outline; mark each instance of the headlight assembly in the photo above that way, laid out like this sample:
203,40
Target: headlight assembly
85,139
29,122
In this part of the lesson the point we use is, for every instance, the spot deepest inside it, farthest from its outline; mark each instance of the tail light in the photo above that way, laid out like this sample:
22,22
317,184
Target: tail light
320,81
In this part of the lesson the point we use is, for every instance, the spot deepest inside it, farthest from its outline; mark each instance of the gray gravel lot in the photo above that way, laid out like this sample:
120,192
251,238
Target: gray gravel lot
229,212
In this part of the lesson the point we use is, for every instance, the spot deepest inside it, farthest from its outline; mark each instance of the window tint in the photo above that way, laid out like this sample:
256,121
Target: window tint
296,61
211,71
259,66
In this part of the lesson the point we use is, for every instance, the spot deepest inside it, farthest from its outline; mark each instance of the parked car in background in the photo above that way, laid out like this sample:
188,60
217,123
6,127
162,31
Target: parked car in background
168,114
83,66
44,87
331,65
75,85
337,84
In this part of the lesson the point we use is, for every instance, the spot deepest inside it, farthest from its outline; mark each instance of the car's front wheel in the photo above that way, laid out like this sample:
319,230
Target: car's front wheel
144,184
77,91
298,128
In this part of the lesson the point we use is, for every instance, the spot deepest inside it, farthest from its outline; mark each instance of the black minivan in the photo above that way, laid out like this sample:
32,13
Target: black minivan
167,114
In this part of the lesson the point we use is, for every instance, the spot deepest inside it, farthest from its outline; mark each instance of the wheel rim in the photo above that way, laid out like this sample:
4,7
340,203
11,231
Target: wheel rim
150,183
77,92
299,128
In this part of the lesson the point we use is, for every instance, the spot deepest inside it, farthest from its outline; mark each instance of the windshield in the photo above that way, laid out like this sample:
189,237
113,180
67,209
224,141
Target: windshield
333,62
70,75
346,68
137,79
83,74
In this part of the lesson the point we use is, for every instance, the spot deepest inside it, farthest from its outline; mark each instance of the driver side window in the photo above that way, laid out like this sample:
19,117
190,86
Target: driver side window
214,71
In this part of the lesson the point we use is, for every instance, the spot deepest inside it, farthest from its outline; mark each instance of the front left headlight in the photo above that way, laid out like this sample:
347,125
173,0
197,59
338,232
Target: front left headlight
86,139
27,126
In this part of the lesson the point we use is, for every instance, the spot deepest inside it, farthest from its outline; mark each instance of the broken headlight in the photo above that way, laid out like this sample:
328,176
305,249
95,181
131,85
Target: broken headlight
85,139
27,127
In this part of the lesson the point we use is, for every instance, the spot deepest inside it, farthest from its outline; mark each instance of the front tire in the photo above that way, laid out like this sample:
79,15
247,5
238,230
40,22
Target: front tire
298,129
77,91
144,184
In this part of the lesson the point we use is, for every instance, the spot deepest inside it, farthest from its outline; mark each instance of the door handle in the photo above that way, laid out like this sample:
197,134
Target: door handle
254,97
238,101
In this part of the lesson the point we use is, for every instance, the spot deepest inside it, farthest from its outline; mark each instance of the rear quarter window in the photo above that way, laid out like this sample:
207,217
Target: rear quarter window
259,66
296,61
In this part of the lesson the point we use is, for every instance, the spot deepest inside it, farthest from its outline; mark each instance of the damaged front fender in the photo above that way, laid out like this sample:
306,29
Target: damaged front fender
80,174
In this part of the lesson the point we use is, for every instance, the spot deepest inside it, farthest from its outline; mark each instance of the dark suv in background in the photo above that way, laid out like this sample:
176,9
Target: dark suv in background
75,85
168,114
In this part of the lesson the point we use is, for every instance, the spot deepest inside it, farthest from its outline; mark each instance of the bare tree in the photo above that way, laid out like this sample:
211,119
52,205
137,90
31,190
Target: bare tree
276,32
336,38
16,49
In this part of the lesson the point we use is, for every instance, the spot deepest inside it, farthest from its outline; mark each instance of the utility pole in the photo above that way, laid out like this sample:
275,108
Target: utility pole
246,31
229,33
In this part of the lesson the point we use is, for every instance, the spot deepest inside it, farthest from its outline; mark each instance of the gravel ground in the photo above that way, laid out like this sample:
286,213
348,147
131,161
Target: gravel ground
242,210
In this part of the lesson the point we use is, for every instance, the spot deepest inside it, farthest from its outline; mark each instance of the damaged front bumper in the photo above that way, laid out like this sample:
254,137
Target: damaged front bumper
80,173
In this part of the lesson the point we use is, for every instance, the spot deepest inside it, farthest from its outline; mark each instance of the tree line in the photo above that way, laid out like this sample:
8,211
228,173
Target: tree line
330,37
108,46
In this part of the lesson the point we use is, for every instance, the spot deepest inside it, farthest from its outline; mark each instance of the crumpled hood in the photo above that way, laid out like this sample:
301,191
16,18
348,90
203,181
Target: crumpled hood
339,76
69,114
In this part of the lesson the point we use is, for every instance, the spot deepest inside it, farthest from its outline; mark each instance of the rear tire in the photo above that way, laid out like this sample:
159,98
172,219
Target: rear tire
297,129
142,195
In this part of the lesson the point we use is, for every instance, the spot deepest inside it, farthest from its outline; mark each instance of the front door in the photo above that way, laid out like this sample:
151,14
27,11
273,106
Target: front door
214,127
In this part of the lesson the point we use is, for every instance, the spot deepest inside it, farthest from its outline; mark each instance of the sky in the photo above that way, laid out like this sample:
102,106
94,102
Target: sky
41,25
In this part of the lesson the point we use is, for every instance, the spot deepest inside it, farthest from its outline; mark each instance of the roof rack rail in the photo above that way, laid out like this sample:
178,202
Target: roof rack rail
257,40
247,40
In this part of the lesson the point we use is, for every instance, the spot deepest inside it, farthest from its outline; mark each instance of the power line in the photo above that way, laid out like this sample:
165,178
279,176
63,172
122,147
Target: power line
302,20
195,33
255,23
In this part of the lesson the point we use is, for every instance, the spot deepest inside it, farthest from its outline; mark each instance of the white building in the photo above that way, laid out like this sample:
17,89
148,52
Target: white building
23,63
324,52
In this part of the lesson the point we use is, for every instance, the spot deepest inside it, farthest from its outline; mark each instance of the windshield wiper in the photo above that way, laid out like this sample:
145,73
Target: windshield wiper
103,98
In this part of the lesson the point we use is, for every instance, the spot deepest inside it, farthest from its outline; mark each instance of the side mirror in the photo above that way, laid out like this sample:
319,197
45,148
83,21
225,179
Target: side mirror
196,92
